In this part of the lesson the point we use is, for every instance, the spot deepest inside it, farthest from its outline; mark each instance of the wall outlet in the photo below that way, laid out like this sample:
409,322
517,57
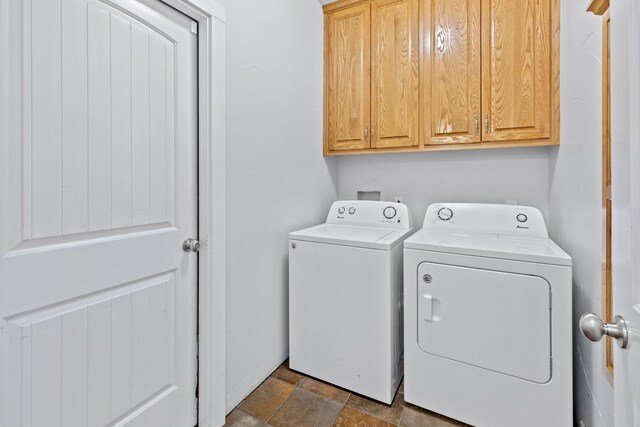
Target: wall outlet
398,199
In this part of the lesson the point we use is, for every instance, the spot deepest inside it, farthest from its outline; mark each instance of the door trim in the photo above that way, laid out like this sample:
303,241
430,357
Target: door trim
210,16
211,207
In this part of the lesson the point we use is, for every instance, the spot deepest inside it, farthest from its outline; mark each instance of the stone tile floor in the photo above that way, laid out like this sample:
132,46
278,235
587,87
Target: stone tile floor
290,399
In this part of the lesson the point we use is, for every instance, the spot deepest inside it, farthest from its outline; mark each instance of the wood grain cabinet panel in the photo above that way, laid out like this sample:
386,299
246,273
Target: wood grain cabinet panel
349,79
451,80
395,76
516,40
425,75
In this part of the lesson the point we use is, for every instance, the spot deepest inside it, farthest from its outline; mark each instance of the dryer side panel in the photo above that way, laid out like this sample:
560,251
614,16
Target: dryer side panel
489,319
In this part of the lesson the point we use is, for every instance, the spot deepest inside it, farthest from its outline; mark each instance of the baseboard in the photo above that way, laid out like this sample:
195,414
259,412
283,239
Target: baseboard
242,390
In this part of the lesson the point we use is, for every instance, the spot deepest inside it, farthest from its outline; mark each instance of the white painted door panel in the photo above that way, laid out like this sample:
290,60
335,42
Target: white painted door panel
625,115
98,304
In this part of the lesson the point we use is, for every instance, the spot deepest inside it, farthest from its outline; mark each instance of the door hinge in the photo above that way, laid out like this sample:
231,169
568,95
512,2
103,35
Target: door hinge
194,27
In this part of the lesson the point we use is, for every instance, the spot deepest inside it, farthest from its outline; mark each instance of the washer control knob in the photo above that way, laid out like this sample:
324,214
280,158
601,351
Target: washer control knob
352,210
522,218
341,210
445,214
389,212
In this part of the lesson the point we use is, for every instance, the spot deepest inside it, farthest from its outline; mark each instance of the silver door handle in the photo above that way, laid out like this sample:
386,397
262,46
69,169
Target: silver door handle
191,245
594,329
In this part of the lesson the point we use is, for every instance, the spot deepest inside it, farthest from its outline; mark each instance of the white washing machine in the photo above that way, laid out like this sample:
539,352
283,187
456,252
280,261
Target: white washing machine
345,297
488,318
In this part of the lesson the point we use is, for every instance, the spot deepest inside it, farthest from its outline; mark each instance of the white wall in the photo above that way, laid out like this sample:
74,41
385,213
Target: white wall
575,198
483,176
278,180
274,72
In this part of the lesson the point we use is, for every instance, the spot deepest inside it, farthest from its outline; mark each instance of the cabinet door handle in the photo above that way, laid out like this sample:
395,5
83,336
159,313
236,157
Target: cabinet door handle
486,123
477,124
366,133
373,134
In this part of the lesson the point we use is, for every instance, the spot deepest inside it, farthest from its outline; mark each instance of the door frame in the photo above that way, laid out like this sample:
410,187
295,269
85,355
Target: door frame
210,16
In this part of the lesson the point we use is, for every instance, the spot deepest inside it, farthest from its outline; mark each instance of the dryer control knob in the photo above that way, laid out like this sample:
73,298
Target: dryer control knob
445,214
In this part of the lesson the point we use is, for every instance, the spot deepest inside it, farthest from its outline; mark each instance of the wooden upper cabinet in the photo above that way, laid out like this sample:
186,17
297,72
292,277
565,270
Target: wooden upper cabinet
422,75
517,71
395,73
348,90
451,79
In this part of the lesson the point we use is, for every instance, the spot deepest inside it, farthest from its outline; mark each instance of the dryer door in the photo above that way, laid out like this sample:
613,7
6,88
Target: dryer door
493,320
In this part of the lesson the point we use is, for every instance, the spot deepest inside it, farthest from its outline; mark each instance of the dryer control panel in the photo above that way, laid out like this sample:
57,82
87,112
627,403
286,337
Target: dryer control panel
505,220
369,213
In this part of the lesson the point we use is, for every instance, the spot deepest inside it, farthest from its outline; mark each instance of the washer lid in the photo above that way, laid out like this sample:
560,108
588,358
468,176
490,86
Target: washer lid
530,249
351,235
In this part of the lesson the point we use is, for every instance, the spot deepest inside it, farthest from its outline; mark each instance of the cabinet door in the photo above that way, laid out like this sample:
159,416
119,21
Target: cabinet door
349,78
516,69
451,77
394,73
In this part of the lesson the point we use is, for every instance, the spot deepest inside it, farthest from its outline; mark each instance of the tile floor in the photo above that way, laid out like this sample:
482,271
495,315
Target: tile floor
290,399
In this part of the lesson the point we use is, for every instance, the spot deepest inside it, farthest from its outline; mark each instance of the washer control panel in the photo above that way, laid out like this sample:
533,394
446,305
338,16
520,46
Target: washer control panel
485,218
370,214
390,212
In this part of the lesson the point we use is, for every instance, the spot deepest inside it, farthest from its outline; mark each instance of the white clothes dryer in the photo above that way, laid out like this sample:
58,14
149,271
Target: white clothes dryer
488,317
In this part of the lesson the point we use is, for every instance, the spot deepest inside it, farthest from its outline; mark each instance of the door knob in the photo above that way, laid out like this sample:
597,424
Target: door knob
594,329
191,245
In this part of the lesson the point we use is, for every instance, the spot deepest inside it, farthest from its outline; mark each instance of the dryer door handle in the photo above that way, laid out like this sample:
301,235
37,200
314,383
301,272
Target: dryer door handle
427,307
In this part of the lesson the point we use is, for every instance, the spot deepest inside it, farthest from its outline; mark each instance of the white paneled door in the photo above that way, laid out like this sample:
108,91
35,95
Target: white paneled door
98,301
625,168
